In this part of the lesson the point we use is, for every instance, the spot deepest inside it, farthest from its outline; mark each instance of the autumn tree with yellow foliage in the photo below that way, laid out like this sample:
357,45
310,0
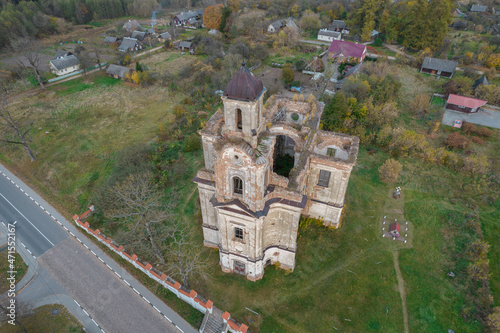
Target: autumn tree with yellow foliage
213,16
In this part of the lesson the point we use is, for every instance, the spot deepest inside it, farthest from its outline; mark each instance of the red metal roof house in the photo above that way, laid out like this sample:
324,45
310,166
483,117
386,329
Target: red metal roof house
343,51
464,104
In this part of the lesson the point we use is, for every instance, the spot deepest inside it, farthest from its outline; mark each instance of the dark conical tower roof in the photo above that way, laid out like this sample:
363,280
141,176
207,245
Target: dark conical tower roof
244,85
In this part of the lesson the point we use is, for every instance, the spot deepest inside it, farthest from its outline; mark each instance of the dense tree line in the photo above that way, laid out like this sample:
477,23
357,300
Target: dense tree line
38,18
414,23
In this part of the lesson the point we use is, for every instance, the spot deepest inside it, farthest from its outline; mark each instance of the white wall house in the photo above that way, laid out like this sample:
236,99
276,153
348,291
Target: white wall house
329,35
64,65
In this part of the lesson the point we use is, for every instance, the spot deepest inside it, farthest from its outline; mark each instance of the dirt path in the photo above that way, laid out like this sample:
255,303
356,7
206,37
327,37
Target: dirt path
402,292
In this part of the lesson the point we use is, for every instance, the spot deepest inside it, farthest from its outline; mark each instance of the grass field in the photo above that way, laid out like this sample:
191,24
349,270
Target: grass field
19,266
42,319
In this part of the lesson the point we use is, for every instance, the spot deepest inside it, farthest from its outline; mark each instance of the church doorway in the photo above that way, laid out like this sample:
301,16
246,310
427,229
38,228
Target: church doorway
284,155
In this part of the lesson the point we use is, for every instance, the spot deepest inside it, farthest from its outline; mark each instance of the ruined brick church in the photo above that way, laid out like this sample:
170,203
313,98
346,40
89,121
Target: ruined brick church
265,166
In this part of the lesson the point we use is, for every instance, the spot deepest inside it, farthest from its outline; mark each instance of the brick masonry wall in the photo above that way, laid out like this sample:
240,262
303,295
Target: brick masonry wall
189,296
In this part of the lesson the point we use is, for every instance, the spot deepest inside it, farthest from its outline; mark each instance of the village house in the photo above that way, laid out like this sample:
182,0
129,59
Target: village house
482,81
341,51
185,46
62,54
464,104
162,38
118,72
130,45
132,25
183,18
277,25
458,13
439,67
139,35
64,65
110,40
339,26
329,35
265,167
478,9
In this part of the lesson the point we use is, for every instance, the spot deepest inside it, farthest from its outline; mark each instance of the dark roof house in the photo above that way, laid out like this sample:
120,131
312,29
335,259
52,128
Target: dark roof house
109,39
118,72
275,26
337,25
481,81
439,67
62,53
478,8
132,25
129,44
139,35
166,35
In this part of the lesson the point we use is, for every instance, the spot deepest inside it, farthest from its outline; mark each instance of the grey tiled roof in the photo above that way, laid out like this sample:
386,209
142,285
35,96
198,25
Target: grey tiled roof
440,64
478,8
117,70
109,39
128,43
329,33
165,35
337,24
65,62
139,35
62,53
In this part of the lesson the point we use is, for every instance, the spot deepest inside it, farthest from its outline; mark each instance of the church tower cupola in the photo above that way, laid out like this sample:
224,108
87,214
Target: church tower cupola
243,99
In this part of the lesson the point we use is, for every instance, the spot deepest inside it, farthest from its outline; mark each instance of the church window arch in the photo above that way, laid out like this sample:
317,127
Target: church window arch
237,185
239,119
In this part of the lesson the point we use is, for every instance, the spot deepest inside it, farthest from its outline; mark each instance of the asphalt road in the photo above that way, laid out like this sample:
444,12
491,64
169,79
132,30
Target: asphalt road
78,269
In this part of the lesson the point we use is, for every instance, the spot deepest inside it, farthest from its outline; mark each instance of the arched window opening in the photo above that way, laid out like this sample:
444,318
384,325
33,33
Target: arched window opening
284,155
237,185
239,119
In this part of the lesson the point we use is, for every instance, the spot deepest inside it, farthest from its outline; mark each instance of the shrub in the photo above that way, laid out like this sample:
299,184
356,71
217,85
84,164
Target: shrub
287,73
455,140
179,111
469,128
389,171
477,140
483,131
193,143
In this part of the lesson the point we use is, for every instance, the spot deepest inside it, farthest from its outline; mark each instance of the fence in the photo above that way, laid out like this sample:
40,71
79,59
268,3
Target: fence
74,73
187,295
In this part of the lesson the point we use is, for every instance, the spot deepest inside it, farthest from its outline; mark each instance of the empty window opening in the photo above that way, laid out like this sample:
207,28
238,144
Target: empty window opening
238,233
331,152
239,119
268,262
324,178
237,185
284,155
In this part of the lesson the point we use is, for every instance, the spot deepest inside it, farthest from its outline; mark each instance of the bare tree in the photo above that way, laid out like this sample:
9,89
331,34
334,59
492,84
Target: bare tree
96,46
28,48
13,132
138,202
185,258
